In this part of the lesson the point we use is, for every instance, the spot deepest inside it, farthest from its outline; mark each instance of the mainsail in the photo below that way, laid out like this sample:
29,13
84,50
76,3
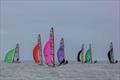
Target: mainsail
60,52
52,46
16,54
9,56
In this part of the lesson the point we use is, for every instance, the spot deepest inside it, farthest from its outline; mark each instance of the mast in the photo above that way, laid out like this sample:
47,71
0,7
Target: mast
16,54
52,45
40,49
90,53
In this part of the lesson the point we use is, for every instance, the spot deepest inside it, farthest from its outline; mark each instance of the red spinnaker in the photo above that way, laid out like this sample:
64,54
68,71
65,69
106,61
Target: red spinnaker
35,54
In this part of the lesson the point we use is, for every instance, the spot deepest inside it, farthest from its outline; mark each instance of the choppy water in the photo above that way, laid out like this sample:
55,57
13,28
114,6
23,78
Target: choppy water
71,71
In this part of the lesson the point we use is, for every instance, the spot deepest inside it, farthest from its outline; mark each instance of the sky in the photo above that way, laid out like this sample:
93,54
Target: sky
78,21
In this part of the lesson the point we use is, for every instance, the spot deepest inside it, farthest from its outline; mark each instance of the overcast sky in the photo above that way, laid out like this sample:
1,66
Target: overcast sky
95,22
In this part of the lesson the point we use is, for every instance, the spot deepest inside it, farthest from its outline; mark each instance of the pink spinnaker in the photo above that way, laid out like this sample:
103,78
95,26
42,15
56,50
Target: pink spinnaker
47,53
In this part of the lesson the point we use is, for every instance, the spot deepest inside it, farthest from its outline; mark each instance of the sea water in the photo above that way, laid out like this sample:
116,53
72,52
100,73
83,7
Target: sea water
71,71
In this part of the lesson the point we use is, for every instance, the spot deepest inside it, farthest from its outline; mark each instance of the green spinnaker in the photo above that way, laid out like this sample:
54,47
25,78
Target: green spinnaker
87,56
9,56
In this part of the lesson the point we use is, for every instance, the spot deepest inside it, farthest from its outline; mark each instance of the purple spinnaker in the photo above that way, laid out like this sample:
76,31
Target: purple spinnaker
60,54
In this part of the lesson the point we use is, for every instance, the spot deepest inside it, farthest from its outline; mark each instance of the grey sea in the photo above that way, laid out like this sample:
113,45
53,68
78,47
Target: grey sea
71,71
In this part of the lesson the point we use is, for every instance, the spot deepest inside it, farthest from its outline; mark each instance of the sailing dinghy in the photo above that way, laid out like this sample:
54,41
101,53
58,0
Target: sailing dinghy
37,52
111,55
12,56
61,53
49,50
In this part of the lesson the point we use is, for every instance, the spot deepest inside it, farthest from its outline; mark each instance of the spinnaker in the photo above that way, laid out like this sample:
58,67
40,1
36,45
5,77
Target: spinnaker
9,56
88,55
60,52
80,56
47,53
36,55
